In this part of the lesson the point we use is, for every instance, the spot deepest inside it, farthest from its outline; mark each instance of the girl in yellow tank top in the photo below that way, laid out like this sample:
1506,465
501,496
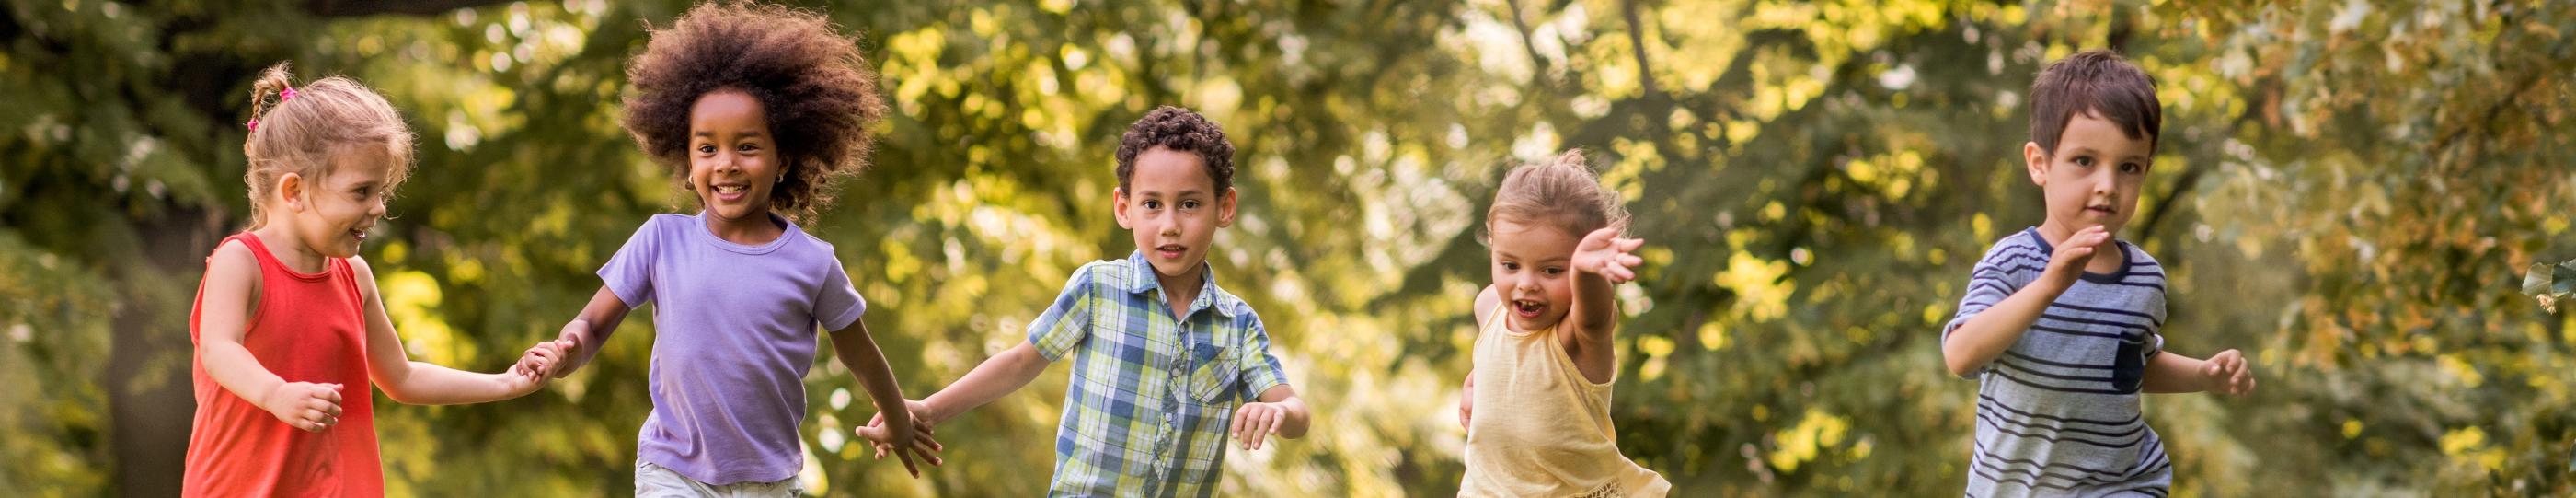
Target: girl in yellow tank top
1537,405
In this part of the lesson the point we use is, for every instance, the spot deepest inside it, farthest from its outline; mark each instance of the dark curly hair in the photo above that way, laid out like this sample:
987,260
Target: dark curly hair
1181,131
819,95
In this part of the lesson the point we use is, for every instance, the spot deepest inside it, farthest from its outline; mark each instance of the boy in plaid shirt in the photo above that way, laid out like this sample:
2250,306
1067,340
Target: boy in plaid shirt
1166,365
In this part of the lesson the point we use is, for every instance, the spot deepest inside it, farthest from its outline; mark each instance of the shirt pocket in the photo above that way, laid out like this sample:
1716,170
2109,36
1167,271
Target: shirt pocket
1212,382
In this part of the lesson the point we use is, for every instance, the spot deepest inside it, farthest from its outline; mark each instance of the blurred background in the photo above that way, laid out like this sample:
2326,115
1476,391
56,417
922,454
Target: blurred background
2349,191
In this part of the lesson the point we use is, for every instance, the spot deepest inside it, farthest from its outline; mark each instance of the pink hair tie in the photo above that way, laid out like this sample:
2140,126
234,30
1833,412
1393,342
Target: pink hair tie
282,97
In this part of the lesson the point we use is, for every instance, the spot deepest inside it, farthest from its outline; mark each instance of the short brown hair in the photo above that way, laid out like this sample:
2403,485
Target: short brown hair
819,95
1561,191
1181,131
2100,83
304,134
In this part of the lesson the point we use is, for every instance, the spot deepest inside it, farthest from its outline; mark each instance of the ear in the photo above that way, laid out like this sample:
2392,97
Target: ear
291,186
1225,209
2036,161
1118,205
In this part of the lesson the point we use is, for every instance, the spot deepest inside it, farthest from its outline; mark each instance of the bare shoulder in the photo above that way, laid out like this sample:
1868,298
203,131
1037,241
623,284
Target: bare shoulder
365,275
230,291
232,266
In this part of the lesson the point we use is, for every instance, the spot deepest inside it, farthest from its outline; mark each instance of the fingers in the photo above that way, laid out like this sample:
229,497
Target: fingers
1628,245
908,466
926,449
1269,426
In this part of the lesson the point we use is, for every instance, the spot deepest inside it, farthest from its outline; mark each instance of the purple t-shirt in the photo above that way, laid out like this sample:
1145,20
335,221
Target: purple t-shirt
735,329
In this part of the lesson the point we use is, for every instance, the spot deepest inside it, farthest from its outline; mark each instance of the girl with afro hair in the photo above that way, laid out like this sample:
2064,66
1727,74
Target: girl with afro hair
756,111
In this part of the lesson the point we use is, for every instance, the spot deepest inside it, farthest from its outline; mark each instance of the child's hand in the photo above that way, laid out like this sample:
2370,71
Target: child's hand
1257,421
2228,373
535,367
904,444
568,344
1605,253
305,405
2068,259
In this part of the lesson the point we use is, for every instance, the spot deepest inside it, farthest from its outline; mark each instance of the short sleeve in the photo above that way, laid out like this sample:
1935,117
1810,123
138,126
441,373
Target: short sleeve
1068,321
630,272
837,303
1261,370
2004,270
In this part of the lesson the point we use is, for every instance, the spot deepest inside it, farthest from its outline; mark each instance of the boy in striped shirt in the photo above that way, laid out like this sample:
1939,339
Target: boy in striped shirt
2060,324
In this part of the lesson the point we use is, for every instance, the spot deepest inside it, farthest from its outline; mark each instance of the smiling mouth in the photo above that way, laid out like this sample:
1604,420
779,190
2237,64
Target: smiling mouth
1169,250
731,191
1527,308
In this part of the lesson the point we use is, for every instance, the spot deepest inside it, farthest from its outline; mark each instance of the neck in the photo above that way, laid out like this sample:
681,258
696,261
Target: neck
1181,290
752,230
289,249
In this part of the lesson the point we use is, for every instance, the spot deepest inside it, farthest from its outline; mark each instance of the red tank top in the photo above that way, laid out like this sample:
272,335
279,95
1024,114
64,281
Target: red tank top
305,327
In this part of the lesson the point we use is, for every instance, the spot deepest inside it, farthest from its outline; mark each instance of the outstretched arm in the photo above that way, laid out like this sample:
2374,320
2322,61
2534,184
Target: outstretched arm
2225,373
422,383
1280,412
858,351
582,338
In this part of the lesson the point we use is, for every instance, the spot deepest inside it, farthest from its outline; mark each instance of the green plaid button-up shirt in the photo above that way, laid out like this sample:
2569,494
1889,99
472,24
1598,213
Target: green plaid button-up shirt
1152,394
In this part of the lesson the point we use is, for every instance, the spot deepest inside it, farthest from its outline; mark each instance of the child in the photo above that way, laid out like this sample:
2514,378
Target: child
288,314
757,110
2060,322
1166,365
1547,362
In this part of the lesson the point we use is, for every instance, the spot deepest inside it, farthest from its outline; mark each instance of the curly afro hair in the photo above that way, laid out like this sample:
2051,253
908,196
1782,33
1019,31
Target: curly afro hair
819,95
1181,131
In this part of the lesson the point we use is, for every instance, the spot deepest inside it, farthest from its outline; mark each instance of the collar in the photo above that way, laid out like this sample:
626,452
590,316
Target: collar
1141,279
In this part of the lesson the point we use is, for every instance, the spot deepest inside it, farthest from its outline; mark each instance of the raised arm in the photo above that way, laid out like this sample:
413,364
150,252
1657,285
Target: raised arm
1602,260
1987,334
422,383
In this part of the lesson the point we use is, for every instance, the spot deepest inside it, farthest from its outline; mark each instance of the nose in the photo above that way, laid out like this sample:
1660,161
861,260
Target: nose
1526,281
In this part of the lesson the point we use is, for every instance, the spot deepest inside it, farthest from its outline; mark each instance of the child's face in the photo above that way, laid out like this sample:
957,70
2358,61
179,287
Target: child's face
1533,272
2093,177
733,158
332,214
1173,208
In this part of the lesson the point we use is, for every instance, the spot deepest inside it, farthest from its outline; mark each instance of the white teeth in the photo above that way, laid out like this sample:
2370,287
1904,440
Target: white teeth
730,189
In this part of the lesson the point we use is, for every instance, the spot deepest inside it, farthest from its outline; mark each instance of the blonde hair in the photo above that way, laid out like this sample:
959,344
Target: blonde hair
1561,191
303,134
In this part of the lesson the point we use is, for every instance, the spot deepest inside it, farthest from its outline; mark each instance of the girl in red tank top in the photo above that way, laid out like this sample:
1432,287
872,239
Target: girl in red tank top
290,333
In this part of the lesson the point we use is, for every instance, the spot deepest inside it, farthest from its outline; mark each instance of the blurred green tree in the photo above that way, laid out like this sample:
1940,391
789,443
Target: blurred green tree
2348,191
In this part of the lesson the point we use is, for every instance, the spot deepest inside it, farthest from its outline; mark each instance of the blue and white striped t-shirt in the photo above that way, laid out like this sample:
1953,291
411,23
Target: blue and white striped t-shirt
2058,413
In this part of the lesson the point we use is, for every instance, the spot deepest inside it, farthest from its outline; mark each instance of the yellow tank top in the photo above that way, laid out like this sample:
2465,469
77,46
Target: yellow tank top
1540,428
